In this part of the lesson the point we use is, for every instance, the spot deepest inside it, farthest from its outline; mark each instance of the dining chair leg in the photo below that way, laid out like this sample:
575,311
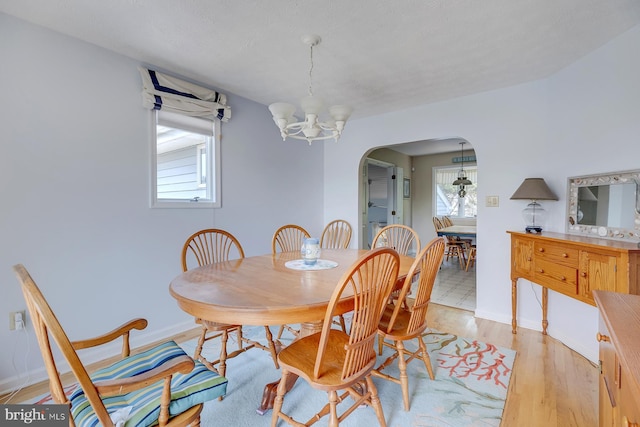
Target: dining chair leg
239,337
333,410
404,379
272,346
197,355
201,340
277,402
343,324
472,258
425,357
222,366
375,402
461,259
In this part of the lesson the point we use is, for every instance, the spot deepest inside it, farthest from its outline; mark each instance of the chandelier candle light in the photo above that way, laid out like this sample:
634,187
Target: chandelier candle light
462,180
311,129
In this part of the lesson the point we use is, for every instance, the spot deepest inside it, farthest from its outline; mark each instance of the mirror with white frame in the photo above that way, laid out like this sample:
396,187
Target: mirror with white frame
605,205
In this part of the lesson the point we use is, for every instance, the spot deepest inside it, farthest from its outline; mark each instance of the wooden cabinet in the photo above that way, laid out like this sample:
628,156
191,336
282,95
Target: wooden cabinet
572,265
619,342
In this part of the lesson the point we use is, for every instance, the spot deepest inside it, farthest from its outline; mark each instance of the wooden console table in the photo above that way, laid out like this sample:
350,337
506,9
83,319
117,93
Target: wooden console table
619,338
572,265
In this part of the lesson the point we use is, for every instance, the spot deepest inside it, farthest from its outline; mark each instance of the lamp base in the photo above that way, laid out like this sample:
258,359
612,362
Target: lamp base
534,229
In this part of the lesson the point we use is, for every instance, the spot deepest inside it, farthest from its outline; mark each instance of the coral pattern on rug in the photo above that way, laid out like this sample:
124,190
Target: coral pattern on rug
472,380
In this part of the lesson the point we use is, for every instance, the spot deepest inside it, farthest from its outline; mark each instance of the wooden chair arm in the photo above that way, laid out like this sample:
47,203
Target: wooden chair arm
121,331
182,364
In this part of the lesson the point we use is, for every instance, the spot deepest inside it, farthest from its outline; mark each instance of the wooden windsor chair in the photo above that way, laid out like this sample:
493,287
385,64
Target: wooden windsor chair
211,246
407,319
160,386
335,361
454,248
288,238
337,235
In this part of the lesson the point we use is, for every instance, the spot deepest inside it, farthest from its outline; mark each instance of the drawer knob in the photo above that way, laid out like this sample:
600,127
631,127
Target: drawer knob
540,270
583,274
563,278
541,250
565,255
602,338
627,423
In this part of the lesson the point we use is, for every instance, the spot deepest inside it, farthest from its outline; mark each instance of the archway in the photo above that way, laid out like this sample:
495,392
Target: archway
422,162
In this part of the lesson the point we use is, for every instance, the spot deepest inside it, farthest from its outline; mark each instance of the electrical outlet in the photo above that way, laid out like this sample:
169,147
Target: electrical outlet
16,320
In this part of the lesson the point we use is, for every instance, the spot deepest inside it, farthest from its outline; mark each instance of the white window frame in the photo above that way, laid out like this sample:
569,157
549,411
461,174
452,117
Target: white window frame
435,190
214,171
202,152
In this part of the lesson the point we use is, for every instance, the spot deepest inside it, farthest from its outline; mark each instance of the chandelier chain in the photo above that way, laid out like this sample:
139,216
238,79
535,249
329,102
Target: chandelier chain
311,71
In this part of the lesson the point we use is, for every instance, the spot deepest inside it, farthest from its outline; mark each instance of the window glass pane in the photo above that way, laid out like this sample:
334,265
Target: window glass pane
179,162
446,198
185,159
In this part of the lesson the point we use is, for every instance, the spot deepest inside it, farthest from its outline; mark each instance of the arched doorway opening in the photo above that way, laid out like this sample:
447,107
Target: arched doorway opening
429,169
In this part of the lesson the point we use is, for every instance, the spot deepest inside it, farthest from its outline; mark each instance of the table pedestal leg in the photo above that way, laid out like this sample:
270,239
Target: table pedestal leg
270,390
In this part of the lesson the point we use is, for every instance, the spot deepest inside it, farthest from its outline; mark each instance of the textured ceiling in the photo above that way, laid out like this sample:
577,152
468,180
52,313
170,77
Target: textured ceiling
376,55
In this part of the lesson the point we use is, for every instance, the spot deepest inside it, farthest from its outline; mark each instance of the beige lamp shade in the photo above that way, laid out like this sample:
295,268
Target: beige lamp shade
534,189
534,215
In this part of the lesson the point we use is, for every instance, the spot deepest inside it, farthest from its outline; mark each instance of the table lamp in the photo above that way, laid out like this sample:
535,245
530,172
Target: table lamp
534,189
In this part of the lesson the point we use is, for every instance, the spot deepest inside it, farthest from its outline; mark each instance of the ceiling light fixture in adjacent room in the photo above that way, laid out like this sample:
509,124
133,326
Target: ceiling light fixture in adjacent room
462,180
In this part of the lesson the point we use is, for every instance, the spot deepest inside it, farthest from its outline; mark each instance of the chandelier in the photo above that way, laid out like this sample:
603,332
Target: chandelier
462,180
311,129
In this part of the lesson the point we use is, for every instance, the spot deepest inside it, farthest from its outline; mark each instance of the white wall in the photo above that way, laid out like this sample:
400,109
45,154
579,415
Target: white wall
74,184
582,120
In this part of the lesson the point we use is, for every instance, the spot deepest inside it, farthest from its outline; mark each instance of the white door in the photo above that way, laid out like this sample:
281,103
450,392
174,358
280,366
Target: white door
382,189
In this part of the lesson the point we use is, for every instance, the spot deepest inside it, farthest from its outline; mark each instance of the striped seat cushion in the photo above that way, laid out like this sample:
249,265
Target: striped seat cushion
187,390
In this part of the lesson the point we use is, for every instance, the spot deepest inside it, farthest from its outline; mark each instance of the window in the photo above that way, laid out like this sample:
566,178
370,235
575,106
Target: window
186,161
446,199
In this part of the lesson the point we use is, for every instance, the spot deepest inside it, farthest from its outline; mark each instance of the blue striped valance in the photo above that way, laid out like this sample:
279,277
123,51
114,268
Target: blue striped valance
163,92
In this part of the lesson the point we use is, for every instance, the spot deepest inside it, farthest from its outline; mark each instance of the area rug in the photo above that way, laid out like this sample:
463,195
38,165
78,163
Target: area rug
470,387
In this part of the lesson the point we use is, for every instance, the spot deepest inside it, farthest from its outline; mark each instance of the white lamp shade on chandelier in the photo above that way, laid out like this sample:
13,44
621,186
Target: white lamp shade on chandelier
312,128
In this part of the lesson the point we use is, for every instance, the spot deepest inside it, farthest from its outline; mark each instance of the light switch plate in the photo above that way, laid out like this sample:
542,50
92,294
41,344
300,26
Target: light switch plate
493,201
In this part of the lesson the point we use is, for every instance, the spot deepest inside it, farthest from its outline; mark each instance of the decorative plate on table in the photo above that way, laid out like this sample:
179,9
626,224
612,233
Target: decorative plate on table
321,264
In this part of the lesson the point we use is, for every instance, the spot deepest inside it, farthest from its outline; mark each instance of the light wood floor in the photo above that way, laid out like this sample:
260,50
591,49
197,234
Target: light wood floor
551,385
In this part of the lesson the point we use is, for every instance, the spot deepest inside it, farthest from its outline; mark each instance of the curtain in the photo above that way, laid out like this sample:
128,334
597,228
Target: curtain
163,92
447,176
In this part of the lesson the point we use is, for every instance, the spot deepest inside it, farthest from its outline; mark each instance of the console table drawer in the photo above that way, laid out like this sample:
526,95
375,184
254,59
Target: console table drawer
557,277
560,254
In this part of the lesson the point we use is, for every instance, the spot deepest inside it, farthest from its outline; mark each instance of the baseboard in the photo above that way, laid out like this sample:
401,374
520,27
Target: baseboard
590,354
493,316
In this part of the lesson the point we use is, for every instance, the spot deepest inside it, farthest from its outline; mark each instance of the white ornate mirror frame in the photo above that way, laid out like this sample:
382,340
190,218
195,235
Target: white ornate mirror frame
626,177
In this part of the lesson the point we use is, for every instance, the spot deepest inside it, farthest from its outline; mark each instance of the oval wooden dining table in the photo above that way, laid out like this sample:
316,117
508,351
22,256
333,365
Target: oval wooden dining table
262,290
